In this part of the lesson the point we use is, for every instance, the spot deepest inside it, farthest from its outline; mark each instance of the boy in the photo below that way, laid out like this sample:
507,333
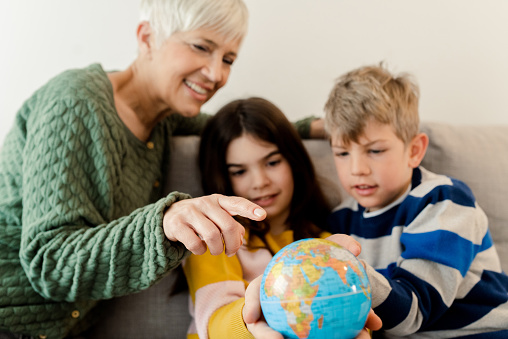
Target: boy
425,242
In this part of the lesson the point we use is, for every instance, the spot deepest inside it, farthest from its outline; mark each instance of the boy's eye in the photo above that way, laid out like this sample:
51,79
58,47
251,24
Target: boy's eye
376,151
341,154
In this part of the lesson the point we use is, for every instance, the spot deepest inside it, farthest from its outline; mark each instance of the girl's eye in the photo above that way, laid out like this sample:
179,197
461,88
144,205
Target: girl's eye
273,163
237,173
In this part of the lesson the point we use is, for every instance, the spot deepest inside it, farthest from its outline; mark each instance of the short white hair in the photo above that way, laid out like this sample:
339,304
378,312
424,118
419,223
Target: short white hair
226,17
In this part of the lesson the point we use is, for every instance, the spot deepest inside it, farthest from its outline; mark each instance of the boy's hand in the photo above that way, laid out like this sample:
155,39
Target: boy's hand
347,242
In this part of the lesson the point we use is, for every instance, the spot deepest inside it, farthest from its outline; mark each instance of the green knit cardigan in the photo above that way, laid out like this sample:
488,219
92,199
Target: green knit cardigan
81,205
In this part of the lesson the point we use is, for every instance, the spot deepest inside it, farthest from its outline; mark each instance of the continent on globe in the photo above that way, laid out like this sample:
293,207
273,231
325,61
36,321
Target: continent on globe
314,288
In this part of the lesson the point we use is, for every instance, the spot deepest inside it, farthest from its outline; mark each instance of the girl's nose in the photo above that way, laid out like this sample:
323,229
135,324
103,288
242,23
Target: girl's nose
261,179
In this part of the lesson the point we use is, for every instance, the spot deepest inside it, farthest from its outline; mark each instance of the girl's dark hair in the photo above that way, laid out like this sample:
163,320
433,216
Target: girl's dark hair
265,121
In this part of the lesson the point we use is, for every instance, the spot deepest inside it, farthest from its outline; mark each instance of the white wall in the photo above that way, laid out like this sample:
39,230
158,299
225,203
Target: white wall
294,50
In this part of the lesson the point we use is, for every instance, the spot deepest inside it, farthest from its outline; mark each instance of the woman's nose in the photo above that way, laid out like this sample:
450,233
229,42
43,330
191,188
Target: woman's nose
214,70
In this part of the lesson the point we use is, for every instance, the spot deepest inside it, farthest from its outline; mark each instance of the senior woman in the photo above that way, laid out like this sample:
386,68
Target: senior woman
81,213
82,217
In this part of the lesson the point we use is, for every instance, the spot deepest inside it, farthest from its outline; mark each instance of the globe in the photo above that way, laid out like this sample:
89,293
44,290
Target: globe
314,288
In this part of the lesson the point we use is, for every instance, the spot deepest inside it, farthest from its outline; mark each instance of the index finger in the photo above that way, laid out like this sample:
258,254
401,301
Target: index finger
242,207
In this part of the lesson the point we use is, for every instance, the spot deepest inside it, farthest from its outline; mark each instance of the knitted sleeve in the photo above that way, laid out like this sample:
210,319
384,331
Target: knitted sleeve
303,126
188,126
194,126
71,248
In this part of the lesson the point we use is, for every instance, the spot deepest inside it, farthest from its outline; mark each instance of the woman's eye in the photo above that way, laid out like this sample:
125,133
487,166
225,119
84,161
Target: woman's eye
341,154
228,61
200,47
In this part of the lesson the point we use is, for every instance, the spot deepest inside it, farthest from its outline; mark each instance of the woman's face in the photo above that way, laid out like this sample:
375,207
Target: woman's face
190,67
259,172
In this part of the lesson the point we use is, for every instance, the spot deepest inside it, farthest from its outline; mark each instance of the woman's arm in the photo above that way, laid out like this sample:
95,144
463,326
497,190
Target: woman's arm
308,128
73,246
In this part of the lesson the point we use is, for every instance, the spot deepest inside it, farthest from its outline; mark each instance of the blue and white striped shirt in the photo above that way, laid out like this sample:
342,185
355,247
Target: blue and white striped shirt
432,264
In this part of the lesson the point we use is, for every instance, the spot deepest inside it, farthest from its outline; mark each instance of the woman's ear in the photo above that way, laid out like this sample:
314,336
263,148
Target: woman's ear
144,34
417,148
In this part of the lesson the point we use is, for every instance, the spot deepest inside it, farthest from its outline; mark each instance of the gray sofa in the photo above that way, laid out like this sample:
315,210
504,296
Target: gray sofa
478,155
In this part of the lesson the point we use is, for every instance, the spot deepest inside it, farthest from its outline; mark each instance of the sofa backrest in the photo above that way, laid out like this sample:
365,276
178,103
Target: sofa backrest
476,155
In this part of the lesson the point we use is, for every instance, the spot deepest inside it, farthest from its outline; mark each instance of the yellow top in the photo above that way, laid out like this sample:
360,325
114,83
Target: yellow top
217,286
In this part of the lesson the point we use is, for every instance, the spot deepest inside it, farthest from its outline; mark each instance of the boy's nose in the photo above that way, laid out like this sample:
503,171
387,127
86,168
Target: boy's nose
359,166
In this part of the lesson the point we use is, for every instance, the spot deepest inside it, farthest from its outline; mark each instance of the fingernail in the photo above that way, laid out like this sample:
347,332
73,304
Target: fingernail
357,249
259,212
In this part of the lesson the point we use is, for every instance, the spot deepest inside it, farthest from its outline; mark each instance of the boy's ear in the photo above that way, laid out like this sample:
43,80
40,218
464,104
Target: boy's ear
417,149
144,36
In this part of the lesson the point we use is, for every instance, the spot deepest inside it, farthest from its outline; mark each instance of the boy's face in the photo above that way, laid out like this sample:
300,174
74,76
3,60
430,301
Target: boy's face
378,169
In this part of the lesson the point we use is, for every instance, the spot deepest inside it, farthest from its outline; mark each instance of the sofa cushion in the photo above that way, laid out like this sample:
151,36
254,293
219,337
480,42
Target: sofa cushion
183,173
477,155
321,155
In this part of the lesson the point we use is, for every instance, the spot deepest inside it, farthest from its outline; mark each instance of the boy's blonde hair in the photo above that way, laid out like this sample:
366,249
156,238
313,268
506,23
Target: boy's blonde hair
372,92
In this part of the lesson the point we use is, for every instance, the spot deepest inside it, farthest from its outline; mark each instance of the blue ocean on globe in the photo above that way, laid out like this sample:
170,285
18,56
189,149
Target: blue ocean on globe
314,288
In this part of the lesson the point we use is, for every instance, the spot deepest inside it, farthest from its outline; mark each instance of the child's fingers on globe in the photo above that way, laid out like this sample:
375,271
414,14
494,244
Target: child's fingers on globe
261,330
347,242
373,322
252,307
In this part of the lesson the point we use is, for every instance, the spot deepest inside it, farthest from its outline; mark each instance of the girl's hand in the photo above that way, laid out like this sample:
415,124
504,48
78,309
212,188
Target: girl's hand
207,222
252,314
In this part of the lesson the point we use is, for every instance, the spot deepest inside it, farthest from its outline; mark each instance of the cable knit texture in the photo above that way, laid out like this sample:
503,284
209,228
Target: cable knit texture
80,205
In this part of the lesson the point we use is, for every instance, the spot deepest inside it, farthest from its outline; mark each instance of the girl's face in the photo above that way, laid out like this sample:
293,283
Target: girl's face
259,172
189,68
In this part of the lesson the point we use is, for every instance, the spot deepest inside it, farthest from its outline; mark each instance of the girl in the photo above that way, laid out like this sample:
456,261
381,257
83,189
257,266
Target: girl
250,149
